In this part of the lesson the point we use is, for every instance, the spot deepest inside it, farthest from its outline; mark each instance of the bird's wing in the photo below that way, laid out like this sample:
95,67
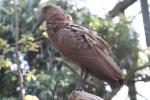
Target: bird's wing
86,48
90,50
90,37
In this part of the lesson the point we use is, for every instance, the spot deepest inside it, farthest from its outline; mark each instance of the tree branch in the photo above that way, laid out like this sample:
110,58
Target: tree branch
145,79
79,95
135,69
75,69
69,64
120,7
17,53
141,95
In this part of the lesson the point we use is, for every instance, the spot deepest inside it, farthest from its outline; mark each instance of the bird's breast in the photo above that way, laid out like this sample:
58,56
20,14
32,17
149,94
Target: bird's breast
63,43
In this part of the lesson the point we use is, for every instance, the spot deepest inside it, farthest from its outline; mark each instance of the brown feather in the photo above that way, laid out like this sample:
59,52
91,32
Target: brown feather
82,46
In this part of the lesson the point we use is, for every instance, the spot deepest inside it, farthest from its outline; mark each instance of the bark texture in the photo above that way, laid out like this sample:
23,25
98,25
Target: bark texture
79,95
146,20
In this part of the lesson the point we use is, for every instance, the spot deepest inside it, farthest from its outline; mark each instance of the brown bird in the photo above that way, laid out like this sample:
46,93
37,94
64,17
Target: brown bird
81,45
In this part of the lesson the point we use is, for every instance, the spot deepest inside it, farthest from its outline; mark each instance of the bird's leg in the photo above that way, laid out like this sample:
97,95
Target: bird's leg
82,78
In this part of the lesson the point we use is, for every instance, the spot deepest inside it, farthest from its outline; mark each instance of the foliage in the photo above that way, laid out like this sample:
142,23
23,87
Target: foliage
30,97
44,77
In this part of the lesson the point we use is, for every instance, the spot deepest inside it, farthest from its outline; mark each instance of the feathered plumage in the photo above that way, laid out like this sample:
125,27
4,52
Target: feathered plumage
81,45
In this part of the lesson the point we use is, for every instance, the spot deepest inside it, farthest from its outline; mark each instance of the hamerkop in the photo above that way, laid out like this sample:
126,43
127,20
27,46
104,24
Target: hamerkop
81,45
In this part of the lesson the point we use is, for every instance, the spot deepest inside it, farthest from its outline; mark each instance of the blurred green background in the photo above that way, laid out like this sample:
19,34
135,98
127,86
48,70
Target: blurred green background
46,74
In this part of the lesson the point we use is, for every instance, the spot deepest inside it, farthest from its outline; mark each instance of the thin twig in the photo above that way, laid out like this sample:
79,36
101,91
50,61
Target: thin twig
146,79
135,69
39,39
133,18
141,95
140,67
17,53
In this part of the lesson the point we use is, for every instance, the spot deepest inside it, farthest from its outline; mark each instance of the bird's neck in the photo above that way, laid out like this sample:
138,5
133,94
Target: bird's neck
53,27
57,24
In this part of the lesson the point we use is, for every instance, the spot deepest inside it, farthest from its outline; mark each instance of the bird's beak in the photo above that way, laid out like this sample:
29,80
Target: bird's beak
38,23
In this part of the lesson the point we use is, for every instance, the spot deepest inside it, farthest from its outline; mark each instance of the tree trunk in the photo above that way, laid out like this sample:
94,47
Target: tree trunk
132,89
146,20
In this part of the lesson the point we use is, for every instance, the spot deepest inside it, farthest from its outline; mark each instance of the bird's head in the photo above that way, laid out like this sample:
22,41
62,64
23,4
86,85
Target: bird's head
52,14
